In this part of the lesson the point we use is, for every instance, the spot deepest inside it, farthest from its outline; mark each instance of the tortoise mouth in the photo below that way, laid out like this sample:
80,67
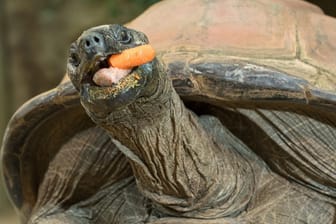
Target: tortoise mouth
113,97
130,79
99,62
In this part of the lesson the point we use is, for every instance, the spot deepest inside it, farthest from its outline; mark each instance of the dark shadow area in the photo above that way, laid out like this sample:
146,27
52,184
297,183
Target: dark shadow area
328,6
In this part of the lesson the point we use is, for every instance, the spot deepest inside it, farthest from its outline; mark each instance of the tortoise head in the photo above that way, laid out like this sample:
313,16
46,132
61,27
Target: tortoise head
90,53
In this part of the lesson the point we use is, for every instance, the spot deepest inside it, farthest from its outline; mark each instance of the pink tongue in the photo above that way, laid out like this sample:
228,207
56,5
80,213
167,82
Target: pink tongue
109,76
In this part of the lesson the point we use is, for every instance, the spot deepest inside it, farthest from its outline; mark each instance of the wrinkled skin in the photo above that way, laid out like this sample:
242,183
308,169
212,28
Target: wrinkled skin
186,167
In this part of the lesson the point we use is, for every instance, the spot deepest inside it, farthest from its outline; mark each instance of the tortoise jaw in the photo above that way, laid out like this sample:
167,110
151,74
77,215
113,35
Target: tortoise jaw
108,98
114,97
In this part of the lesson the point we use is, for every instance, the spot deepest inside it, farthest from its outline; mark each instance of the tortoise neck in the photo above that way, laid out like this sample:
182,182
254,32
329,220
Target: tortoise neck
177,164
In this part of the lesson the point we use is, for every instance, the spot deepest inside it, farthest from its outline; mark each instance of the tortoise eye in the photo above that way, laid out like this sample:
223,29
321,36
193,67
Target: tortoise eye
74,59
124,37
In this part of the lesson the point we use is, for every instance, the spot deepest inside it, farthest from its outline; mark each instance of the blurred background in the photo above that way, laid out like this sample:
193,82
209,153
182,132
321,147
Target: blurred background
34,38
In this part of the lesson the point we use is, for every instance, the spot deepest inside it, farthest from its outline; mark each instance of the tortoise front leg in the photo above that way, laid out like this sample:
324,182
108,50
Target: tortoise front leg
89,181
118,203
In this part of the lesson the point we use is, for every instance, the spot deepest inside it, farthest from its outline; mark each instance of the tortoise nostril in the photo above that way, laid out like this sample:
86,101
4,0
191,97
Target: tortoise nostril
92,42
96,39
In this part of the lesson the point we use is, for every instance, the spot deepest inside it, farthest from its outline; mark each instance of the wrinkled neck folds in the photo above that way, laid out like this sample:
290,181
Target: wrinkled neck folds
177,164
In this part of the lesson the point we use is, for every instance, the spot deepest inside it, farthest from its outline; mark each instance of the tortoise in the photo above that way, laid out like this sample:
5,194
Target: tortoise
233,122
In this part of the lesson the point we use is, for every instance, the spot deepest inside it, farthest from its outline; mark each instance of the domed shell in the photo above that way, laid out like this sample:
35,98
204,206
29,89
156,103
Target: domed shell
294,37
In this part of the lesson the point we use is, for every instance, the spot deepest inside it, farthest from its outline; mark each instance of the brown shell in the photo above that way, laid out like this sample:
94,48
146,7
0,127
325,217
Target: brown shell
291,36
232,53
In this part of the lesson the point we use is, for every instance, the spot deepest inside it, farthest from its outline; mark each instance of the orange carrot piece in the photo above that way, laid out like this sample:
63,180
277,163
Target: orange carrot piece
132,57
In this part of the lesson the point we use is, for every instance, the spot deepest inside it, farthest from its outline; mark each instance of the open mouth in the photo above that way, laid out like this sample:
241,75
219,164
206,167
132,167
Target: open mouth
103,79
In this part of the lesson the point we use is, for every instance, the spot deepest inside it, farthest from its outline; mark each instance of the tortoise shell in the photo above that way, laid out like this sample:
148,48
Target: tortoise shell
266,68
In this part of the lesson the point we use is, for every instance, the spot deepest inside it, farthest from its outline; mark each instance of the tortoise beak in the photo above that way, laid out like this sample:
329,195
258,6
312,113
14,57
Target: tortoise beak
94,51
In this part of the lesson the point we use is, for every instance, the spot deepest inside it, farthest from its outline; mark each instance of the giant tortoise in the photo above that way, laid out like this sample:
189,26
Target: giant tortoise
233,122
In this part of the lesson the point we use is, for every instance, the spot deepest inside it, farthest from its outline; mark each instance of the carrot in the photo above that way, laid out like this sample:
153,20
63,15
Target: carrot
132,57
